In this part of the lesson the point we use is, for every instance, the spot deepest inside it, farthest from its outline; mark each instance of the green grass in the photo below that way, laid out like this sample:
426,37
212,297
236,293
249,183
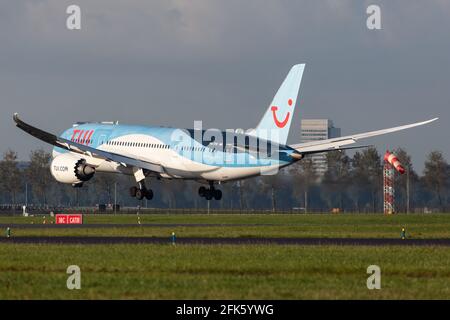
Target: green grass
230,271
222,272
251,218
318,225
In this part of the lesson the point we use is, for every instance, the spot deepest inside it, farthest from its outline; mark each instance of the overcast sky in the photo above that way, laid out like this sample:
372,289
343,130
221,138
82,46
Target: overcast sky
172,62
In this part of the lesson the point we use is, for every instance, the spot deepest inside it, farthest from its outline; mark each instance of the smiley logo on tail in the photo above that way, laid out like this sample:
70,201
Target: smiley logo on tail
278,123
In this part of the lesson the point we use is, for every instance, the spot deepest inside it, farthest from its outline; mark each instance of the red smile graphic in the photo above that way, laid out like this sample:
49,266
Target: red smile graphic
280,124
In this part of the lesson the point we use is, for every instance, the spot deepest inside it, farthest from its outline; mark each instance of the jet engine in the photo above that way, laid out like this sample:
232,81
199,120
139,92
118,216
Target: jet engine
70,169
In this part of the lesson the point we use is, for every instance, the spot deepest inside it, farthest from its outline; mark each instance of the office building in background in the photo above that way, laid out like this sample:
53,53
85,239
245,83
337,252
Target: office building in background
318,129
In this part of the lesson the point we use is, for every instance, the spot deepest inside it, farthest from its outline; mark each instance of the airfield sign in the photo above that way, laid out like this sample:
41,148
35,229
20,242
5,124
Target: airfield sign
69,218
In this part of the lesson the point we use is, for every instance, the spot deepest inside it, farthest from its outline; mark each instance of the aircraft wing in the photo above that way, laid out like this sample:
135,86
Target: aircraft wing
86,150
339,143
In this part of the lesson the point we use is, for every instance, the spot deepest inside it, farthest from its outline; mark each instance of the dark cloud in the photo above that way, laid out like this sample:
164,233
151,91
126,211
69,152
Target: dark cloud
173,62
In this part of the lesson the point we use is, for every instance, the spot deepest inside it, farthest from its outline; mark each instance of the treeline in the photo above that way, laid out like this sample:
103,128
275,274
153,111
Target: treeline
351,184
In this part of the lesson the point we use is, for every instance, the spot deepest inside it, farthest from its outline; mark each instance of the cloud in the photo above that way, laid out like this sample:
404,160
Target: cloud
171,62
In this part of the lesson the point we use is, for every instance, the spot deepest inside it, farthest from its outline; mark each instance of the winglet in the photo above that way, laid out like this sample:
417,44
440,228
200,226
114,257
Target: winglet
16,117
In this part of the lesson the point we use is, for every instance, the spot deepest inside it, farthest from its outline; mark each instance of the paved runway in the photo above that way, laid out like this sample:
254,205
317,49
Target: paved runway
236,241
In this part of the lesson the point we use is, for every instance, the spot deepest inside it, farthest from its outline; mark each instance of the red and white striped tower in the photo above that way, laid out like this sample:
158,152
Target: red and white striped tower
391,164
388,188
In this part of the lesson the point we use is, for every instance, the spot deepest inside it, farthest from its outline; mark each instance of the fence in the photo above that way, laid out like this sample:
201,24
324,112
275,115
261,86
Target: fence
46,210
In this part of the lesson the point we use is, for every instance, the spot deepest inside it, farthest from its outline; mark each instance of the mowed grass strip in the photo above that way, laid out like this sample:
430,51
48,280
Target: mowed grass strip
244,232
222,272
253,218
318,225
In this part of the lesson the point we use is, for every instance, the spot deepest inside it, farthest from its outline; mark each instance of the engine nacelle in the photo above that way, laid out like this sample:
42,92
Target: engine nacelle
68,168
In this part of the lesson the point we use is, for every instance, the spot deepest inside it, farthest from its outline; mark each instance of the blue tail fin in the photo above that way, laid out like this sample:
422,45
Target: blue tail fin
276,122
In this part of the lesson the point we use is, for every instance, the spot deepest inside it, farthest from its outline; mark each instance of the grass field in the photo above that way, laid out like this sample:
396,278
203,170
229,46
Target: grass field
251,225
230,271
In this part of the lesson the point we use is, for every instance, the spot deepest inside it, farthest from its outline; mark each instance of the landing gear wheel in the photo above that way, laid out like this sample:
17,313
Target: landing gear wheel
202,191
133,191
217,194
208,194
149,194
139,194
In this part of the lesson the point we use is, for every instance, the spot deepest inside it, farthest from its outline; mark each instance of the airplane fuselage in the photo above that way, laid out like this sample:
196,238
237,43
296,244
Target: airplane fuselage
184,154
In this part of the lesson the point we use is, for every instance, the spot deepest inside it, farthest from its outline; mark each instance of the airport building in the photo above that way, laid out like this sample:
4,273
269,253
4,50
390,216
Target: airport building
318,129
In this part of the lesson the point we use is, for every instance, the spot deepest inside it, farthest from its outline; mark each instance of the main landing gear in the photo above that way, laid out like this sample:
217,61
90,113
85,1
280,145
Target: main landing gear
210,193
140,192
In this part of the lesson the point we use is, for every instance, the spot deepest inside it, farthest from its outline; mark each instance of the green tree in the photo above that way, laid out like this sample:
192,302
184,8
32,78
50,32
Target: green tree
269,185
405,184
337,177
367,177
104,186
10,175
436,175
38,174
305,176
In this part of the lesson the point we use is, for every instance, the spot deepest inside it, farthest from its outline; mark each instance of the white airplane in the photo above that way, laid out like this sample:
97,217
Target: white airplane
195,154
